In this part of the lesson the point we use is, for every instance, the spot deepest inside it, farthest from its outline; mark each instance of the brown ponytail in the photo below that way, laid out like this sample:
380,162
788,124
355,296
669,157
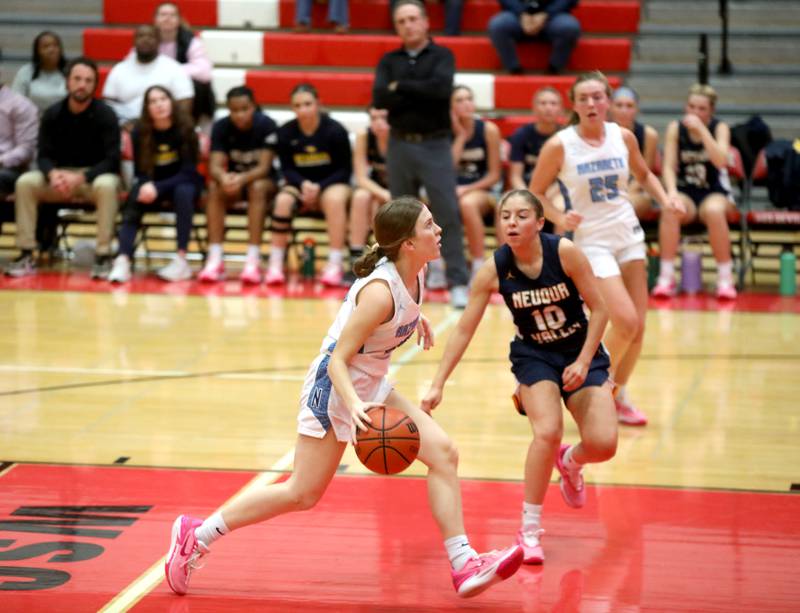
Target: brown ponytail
395,223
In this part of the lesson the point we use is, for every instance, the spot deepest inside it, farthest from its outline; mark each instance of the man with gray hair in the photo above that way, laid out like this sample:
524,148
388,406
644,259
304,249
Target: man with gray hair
414,83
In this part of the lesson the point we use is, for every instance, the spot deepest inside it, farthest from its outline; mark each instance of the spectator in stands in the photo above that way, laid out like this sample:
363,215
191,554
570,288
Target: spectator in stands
165,154
338,14
414,83
453,10
78,157
695,161
178,42
624,108
129,79
372,182
535,20
240,168
43,79
316,162
476,154
19,123
526,143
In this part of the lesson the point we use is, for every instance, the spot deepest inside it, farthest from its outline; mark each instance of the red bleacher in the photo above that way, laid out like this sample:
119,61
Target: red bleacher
604,16
281,48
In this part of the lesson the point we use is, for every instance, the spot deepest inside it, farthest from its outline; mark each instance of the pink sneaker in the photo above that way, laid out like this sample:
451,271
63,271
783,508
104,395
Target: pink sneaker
665,288
629,415
251,274
531,546
274,276
726,291
487,569
184,553
571,484
212,273
331,275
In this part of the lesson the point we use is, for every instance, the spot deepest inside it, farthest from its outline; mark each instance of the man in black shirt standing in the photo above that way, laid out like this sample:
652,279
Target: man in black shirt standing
414,83
79,154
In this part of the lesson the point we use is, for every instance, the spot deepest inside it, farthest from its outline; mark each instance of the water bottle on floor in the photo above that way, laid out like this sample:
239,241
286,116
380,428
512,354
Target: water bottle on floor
788,277
691,268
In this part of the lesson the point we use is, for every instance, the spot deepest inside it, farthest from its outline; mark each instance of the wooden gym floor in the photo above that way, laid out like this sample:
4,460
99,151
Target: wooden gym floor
120,408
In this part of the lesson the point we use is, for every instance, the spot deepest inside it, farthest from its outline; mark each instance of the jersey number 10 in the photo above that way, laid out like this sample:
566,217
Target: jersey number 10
549,318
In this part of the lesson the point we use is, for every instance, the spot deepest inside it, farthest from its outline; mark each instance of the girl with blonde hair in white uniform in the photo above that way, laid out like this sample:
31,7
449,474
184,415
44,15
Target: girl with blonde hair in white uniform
593,159
380,313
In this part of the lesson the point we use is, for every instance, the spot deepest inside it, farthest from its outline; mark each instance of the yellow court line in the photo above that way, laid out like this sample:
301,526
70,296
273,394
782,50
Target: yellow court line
154,575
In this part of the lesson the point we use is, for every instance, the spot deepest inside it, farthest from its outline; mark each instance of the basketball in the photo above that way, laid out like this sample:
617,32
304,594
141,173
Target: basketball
391,442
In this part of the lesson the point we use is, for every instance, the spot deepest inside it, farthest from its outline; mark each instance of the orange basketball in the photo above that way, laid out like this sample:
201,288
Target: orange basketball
391,442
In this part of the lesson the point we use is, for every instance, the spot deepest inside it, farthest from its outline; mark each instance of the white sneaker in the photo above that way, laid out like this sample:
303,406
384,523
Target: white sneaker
459,296
436,278
120,270
177,270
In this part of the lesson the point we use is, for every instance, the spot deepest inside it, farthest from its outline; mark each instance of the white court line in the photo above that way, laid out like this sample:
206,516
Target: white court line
126,372
154,575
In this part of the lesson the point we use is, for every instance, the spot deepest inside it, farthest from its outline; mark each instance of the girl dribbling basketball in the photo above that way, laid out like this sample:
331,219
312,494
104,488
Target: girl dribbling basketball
380,313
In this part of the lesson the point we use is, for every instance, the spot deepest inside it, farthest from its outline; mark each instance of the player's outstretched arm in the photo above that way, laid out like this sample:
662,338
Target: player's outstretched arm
484,283
577,266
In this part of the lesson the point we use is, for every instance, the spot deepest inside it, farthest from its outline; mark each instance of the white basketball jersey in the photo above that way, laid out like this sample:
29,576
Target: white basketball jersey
373,357
596,181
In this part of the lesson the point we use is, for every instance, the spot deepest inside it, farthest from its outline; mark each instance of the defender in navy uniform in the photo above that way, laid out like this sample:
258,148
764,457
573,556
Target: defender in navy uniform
555,353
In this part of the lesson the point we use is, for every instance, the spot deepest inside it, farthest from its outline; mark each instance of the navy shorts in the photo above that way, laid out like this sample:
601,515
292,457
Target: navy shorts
531,364
698,194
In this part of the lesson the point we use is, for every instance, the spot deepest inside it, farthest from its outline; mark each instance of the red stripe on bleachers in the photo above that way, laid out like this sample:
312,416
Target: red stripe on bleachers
516,92
606,16
195,12
106,44
335,89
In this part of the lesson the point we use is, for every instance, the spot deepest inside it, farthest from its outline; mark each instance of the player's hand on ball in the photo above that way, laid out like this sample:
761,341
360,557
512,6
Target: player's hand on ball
358,413
574,375
424,333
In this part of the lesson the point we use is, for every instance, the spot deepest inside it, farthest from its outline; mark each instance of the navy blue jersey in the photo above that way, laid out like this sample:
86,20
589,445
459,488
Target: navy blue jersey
377,161
474,160
243,149
526,143
548,310
694,167
638,132
323,157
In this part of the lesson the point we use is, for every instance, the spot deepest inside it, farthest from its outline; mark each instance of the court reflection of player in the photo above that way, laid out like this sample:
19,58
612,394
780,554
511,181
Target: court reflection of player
555,354
380,313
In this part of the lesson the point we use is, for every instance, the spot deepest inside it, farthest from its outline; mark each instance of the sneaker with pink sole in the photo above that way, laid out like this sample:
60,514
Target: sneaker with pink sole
726,291
665,288
572,486
212,273
184,553
629,415
531,546
332,275
251,274
274,276
480,573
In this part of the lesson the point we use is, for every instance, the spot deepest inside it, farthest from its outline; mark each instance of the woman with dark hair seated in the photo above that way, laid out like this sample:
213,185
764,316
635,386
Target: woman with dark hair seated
165,153
43,80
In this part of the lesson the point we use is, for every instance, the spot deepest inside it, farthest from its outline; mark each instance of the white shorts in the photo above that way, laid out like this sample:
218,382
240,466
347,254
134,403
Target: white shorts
321,408
605,263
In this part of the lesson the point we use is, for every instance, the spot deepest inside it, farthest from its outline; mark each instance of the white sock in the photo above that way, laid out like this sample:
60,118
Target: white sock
622,394
214,254
725,272
276,257
253,253
569,462
459,551
211,529
531,516
666,269
476,265
335,257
